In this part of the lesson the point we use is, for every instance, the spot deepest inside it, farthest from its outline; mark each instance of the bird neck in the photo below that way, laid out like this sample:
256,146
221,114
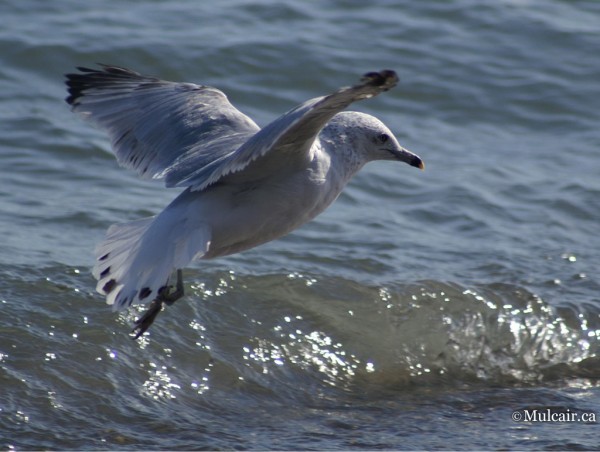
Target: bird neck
345,158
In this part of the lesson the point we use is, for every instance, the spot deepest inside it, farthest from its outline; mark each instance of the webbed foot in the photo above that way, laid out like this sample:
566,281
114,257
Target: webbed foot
164,296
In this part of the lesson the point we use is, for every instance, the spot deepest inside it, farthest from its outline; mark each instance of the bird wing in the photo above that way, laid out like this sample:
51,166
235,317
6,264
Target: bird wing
190,135
159,129
291,135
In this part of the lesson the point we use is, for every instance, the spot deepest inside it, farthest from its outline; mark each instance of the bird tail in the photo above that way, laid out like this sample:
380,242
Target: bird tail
136,259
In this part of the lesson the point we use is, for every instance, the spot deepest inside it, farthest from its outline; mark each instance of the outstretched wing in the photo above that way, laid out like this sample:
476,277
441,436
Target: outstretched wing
190,135
292,134
160,129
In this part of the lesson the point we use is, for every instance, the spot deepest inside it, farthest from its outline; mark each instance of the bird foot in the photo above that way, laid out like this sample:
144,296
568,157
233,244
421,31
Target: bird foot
165,296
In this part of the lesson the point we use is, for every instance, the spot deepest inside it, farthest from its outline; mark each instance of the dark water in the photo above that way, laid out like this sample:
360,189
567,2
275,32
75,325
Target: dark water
420,312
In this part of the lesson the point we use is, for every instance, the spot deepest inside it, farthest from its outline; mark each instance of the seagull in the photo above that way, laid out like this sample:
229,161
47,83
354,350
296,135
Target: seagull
243,185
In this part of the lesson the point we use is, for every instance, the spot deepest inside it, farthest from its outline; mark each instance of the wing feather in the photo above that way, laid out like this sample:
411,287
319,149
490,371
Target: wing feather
157,128
190,135
291,135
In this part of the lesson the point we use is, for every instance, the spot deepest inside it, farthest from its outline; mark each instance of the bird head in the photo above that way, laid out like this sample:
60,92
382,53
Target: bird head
371,139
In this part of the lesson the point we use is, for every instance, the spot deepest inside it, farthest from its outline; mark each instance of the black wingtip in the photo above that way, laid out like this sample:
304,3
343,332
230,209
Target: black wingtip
385,78
77,83
87,78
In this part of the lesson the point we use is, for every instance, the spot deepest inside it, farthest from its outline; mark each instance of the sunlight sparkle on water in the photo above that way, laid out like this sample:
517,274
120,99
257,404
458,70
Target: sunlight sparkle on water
159,385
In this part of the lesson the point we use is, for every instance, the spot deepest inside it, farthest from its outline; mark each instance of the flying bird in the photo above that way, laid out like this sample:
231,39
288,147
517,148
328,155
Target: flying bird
243,185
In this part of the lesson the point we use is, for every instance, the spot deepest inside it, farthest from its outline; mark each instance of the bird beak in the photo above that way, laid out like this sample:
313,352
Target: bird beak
404,155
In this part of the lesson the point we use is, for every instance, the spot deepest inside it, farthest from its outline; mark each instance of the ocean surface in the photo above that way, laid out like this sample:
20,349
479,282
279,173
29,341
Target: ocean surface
446,309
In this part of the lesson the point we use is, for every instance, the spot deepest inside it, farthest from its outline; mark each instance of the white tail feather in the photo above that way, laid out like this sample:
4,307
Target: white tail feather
137,259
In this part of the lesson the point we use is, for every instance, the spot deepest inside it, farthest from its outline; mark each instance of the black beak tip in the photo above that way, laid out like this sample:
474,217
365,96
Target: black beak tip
417,163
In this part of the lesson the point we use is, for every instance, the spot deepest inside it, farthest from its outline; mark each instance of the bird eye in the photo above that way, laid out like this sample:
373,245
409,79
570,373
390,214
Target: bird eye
383,137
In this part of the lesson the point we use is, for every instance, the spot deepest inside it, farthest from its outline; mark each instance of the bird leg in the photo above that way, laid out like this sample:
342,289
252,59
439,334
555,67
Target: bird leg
164,296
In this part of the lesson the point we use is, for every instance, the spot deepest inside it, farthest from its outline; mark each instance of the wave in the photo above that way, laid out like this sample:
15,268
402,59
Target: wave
342,333
301,336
